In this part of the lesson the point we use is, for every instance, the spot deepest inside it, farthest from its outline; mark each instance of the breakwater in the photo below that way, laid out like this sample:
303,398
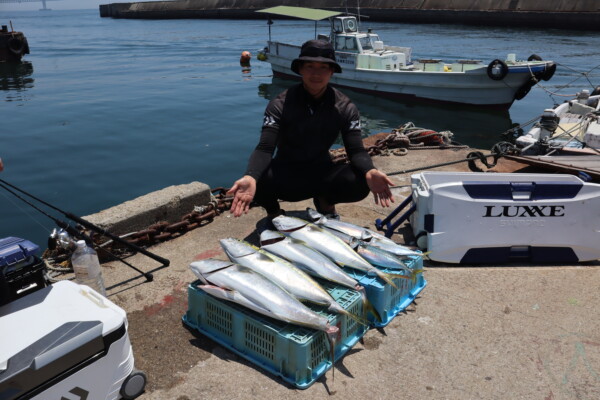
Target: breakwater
562,14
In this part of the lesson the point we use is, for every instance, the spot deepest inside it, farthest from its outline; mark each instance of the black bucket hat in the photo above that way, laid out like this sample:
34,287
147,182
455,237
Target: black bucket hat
317,51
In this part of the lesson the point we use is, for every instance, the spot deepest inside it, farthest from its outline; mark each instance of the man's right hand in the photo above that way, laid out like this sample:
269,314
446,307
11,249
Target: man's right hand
243,191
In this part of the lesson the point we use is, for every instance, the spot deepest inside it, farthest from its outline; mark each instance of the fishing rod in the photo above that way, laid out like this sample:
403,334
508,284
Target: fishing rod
62,224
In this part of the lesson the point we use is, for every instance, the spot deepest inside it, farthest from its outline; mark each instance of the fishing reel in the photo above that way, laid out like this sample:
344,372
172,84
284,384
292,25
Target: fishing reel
61,238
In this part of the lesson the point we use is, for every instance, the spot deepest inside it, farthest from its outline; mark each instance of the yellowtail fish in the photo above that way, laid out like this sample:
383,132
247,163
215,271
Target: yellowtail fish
312,262
366,235
233,282
328,245
376,256
298,283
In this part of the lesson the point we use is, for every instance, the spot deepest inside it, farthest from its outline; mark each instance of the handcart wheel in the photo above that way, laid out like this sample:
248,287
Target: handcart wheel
133,385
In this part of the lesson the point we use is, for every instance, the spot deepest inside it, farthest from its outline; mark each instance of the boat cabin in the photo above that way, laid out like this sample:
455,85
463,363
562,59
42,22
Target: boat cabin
346,37
365,48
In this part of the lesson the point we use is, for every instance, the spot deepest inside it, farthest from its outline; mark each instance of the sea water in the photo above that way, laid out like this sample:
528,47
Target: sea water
105,110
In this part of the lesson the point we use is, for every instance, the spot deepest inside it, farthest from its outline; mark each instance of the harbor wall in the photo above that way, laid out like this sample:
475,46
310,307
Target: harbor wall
562,14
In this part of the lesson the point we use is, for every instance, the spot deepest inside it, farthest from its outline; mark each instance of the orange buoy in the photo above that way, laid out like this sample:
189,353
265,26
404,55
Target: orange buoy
245,58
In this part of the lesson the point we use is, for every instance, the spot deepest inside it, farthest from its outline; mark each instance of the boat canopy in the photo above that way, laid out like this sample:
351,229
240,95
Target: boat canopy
313,14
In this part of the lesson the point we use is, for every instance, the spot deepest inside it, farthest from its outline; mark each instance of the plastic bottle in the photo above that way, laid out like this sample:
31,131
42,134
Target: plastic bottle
87,267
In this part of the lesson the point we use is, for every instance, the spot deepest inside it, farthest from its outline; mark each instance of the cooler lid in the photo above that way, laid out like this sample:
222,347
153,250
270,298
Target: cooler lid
31,318
61,350
14,249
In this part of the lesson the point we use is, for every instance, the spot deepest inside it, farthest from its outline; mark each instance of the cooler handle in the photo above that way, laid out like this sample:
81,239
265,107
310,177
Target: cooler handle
520,191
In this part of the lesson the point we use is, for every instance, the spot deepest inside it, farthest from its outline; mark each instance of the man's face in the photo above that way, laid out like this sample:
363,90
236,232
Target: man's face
315,76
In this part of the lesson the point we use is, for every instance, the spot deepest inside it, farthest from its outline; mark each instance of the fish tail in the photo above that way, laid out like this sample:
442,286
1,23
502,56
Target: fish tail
335,307
399,276
369,308
367,305
388,278
331,334
414,274
357,318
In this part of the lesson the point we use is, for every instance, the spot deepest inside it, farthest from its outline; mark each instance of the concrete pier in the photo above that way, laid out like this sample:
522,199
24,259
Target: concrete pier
515,331
563,14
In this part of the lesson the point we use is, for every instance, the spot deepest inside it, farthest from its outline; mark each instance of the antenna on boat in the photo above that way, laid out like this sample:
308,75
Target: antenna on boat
269,22
358,11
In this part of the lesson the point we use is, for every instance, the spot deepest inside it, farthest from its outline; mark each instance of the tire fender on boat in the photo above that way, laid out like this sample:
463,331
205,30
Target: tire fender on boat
25,46
16,46
524,90
534,57
548,72
497,70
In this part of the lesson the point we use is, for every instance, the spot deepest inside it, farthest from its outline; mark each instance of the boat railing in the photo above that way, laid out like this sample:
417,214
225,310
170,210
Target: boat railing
284,49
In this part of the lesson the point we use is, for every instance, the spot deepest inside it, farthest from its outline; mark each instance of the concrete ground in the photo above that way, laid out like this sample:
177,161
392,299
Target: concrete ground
515,331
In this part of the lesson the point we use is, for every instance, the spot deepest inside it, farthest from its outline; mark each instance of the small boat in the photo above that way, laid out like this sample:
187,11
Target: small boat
13,45
370,66
571,127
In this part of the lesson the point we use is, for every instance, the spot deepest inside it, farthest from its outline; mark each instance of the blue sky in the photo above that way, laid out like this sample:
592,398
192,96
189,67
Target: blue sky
58,5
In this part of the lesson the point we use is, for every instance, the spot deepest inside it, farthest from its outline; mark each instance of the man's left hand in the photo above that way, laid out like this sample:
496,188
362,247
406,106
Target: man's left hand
379,184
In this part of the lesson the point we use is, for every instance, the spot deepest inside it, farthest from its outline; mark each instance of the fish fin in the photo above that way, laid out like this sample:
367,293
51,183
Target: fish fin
235,297
218,292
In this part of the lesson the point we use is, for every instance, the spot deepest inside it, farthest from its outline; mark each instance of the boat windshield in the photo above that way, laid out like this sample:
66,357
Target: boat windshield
366,42
345,43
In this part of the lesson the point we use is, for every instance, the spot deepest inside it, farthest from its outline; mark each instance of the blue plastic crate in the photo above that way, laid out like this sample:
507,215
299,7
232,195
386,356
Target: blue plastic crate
298,355
387,300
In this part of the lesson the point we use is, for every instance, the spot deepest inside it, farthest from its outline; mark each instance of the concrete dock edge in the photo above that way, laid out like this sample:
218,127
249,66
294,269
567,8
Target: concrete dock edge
167,204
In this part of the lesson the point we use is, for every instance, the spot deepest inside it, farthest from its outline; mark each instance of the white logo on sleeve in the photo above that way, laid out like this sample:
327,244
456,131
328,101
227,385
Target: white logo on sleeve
269,121
355,124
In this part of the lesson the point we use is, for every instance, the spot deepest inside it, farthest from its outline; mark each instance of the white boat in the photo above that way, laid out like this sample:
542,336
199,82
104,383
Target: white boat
572,127
370,66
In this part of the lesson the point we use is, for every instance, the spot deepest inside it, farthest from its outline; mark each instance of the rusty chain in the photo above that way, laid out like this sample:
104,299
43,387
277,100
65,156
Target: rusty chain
400,140
162,231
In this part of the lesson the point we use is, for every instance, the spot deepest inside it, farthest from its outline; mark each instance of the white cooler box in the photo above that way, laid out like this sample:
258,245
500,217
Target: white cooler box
496,218
66,342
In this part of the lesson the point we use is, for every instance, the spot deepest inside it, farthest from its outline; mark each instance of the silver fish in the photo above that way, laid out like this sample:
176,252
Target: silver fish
313,263
309,260
367,235
384,259
376,256
280,271
327,244
232,282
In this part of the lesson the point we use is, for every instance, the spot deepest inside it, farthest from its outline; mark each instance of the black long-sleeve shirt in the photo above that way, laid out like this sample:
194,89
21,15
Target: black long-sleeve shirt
303,129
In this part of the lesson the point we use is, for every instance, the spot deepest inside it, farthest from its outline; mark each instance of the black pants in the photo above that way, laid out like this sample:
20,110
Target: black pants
293,182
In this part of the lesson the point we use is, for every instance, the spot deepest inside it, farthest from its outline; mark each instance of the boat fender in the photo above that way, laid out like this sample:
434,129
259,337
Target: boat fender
534,57
523,90
497,70
548,72
25,46
15,45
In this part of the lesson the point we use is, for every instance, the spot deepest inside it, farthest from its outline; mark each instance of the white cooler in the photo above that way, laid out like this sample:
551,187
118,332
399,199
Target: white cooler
497,218
67,342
